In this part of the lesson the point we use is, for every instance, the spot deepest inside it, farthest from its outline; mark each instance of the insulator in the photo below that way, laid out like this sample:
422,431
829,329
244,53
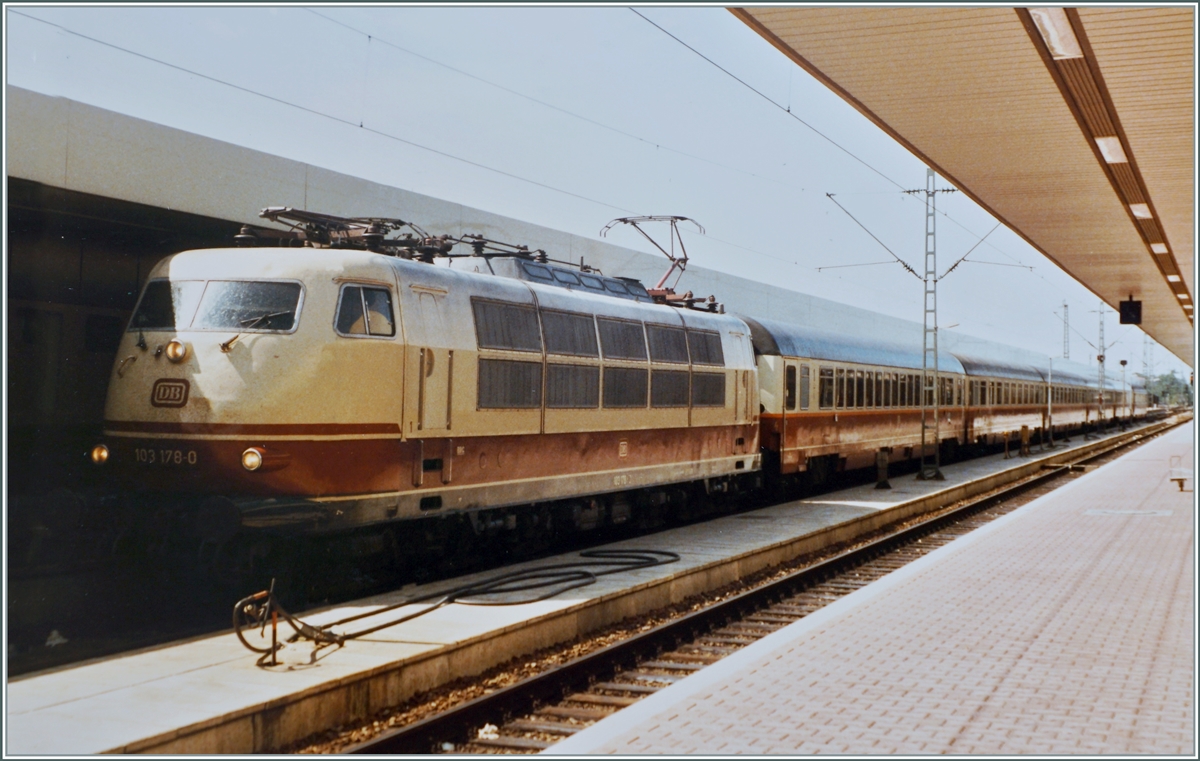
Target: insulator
246,238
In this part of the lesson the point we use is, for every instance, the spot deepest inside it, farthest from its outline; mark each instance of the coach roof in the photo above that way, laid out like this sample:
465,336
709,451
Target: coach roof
777,338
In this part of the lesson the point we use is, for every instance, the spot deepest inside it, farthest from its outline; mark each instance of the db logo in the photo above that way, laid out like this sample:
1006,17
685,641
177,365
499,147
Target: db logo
169,392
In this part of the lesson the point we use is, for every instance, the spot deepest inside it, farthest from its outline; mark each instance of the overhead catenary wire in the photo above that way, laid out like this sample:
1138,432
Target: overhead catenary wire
617,130
903,263
963,258
767,98
315,112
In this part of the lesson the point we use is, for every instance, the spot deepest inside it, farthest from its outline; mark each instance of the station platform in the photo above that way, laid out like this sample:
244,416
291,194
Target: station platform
208,695
1064,627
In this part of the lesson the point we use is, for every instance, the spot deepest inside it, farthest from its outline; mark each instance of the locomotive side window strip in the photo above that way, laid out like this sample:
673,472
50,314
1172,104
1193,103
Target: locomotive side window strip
708,390
667,344
669,388
706,348
622,340
499,325
593,282
568,333
538,272
826,388
505,384
637,289
365,312
625,387
572,386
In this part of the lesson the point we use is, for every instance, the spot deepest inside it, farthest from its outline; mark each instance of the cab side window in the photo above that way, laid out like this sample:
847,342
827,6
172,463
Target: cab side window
365,311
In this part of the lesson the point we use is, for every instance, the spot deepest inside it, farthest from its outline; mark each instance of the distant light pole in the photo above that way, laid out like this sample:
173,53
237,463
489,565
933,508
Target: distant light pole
1050,403
1123,399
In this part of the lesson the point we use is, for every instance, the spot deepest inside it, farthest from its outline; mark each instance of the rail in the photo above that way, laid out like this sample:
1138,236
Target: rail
461,723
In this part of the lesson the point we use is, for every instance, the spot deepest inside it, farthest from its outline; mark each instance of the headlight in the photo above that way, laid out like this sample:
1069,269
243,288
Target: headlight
176,350
99,454
252,459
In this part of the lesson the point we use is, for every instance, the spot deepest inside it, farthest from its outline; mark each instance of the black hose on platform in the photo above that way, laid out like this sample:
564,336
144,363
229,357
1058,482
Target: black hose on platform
261,608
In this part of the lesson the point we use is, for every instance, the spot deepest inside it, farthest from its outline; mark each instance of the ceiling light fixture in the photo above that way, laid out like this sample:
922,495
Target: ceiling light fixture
1183,297
1173,278
1056,30
1158,248
1110,148
1141,211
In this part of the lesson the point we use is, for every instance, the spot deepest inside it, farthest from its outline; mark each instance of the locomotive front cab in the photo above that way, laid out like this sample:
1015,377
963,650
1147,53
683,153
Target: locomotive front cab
241,374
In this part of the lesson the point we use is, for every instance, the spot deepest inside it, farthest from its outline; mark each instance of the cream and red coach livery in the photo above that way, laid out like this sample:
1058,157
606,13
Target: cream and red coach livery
319,389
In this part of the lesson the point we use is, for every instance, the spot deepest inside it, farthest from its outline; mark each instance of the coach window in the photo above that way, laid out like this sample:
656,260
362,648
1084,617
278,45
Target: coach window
499,325
593,282
669,388
626,387
615,286
841,388
566,278
509,385
869,387
365,312
572,386
667,344
705,347
622,340
789,388
887,389
570,334
826,388
804,402
708,389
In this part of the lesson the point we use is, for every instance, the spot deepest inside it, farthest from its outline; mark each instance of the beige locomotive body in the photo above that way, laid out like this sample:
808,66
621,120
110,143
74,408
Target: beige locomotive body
446,391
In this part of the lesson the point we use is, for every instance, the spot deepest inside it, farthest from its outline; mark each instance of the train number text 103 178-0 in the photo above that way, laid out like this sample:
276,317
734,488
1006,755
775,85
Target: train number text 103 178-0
165,456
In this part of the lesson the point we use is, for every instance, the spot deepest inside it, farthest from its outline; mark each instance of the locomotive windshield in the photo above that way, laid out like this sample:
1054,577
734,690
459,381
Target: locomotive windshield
166,304
217,305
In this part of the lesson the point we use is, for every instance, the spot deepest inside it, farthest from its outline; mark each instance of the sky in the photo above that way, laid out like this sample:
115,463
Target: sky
569,117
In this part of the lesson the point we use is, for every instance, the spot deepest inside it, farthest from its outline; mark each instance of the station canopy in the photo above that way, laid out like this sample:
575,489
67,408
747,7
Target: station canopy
1074,127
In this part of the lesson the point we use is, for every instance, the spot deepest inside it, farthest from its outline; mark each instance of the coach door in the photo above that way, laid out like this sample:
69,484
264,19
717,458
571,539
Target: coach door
435,369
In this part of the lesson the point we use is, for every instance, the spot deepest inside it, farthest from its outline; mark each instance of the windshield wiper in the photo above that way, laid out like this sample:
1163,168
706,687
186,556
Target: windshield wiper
250,322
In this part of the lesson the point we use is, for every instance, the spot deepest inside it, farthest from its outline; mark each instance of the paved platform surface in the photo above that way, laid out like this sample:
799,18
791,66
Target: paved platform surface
207,695
1065,627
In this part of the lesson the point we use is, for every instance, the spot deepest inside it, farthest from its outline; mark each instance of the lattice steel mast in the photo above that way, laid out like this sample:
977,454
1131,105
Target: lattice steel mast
931,465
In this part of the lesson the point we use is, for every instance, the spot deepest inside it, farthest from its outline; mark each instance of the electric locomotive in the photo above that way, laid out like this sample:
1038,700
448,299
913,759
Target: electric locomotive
327,387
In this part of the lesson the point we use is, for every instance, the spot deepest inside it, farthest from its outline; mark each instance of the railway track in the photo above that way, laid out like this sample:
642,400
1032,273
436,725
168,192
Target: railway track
534,714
